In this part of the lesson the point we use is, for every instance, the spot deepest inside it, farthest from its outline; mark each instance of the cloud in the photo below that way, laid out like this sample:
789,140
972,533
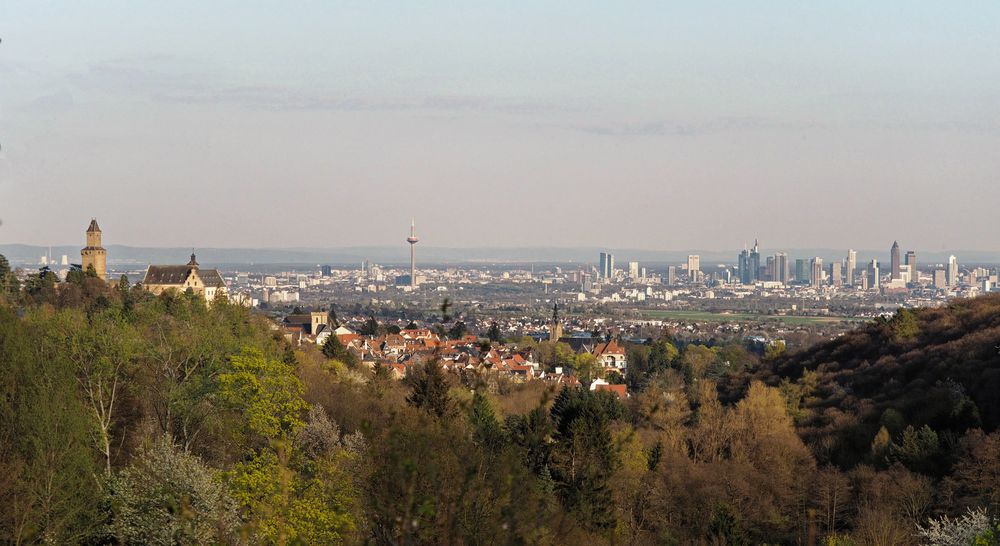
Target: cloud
712,126
172,80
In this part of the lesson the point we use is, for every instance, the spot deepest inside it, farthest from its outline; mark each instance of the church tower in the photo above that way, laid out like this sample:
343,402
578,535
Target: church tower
555,327
94,255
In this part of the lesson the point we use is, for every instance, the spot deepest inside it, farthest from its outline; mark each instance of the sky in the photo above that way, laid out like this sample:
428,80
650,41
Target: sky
653,125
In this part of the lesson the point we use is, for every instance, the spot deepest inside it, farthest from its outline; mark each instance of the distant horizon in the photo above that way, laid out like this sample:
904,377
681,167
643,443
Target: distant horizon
440,255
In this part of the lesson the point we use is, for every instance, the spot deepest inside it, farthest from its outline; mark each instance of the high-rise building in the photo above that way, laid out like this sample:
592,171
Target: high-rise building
772,274
852,266
633,270
873,280
607,268
326,270
835,279
895,261
781,267
940,279
94,255
671,275
802,271
694,266
952,271
743,267
755,263
816,273
911,263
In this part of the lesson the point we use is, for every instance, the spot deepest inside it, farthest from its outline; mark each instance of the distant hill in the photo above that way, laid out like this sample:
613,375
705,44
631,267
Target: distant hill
123,256
935,367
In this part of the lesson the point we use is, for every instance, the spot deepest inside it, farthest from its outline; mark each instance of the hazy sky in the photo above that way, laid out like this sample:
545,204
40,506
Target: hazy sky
658,125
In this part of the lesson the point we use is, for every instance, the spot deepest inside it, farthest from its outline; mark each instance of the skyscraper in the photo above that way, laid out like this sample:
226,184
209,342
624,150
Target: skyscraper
816,276
835,279
671,275
743,267
781,267
694,266
633,270
607,267
895,261
952,271
802,271
873,275
911,263
852,265
754,263
413,240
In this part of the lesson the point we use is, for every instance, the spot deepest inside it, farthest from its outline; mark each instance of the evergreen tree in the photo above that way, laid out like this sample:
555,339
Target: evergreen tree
487,432
430,389
493,333
370,328
457,330
335,350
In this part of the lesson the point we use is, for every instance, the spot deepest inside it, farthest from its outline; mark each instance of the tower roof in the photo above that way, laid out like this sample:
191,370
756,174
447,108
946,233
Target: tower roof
93,226
193,262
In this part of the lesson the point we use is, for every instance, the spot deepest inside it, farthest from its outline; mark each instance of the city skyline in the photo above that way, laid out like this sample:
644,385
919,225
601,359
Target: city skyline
690,120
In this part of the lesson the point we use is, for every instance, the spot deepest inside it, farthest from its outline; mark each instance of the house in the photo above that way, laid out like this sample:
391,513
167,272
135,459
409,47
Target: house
184,278
611,355
600,385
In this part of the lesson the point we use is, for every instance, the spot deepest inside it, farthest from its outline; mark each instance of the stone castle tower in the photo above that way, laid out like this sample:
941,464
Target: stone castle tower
94,255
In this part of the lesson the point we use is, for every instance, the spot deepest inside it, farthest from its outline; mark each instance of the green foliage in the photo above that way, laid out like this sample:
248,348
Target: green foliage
430,389
266,392
584,458
47,468
904,324
335,350
917,449
487,432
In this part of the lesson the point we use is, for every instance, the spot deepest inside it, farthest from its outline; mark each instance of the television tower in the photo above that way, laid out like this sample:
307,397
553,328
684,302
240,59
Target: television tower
412,239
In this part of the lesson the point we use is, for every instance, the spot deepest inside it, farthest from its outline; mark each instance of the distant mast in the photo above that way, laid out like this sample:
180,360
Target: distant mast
413,240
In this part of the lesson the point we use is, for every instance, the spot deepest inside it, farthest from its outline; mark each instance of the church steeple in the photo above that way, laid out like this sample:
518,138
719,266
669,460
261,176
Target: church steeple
555,328
193,263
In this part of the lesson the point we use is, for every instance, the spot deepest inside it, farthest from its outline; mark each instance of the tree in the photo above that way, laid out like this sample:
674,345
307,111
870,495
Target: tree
48,489
487,432
583,457
493,333
168,496
430,389
457,330
266,392
370,327
286,499
103,350
696,361
333,349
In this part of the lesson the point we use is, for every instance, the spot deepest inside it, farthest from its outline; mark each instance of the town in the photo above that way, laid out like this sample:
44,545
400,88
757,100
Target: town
508,320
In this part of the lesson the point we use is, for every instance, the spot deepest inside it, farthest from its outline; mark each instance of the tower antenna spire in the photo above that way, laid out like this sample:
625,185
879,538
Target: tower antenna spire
413,240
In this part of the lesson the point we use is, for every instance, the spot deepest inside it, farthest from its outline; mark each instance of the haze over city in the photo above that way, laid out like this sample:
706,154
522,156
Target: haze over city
808,125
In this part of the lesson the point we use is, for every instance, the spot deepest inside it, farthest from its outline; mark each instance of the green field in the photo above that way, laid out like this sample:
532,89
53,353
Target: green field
708,316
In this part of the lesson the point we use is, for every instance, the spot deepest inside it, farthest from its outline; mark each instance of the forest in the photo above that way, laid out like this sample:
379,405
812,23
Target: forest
132,419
